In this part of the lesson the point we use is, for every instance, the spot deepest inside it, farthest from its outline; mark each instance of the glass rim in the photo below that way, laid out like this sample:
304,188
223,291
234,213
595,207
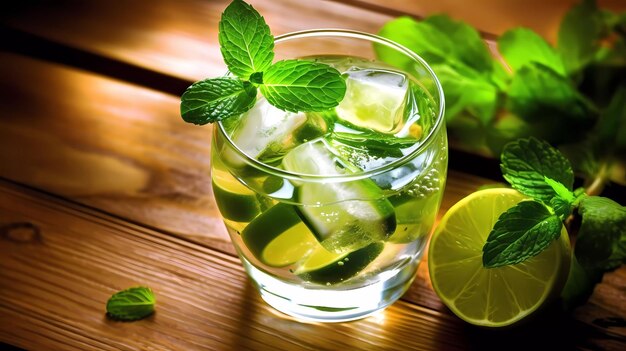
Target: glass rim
347,33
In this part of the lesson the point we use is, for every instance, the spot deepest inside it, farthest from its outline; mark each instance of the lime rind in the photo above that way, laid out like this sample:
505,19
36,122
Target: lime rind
235,201
325,267
278,237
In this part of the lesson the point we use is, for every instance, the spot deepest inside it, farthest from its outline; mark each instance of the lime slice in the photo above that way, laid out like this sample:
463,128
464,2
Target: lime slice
235,201
326,267
278,237
344,216
492,297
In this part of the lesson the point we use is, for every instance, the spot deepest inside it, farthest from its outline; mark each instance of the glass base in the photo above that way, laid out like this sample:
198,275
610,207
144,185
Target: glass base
323,305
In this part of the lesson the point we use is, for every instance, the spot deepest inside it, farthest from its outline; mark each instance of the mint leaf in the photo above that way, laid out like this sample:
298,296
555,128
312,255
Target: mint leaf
214,99
245,40
521,232
467,45
561,207
463,92
578,35
561,190
131,304
601,241
527,162
298,85
538,93
470,77
611,128
424,39
521,46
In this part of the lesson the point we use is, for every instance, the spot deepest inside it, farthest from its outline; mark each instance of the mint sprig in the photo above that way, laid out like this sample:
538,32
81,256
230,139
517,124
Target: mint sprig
131,304
247,47
541,172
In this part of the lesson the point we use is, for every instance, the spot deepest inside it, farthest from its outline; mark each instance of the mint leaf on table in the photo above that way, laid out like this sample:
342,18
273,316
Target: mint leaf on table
299,85
522,46
245,40
212,100
521,232
578,35
131,304
526,163
601,239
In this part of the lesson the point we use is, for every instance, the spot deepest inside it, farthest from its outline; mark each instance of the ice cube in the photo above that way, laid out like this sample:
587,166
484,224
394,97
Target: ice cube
264,132
375,99
344,215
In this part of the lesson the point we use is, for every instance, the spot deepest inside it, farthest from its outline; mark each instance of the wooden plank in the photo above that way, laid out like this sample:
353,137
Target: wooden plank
109,145
175,37
492,17
61,262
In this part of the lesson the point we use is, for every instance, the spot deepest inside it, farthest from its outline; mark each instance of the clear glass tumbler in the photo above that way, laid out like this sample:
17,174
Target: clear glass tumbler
324,233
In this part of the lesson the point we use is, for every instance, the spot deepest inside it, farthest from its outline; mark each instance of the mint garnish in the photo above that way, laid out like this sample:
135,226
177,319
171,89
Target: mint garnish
520,233
541,172
297,85
527,163
214,99
131,304
247,47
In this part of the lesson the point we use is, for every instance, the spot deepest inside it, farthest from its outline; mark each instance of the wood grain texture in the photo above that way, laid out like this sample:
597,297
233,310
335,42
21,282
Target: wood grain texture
61,262
175,37
492,17
109,145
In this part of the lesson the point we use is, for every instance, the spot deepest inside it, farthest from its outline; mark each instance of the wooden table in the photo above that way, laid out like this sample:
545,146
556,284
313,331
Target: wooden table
103,187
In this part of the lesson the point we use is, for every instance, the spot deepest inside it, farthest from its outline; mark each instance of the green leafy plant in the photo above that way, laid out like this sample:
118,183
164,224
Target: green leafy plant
131,304
541,172
247,47
572,95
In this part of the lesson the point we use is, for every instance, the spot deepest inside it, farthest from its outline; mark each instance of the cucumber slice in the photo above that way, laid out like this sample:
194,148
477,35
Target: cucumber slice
235,201
325,267
278,237
343,216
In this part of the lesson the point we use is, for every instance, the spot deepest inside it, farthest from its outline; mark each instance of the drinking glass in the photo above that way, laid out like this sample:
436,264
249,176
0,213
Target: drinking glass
342,271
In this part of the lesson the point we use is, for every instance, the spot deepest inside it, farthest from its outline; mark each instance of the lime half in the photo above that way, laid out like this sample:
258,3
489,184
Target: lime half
493,297
278,237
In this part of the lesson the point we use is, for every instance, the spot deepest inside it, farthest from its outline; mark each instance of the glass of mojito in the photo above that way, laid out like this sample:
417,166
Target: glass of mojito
330,211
